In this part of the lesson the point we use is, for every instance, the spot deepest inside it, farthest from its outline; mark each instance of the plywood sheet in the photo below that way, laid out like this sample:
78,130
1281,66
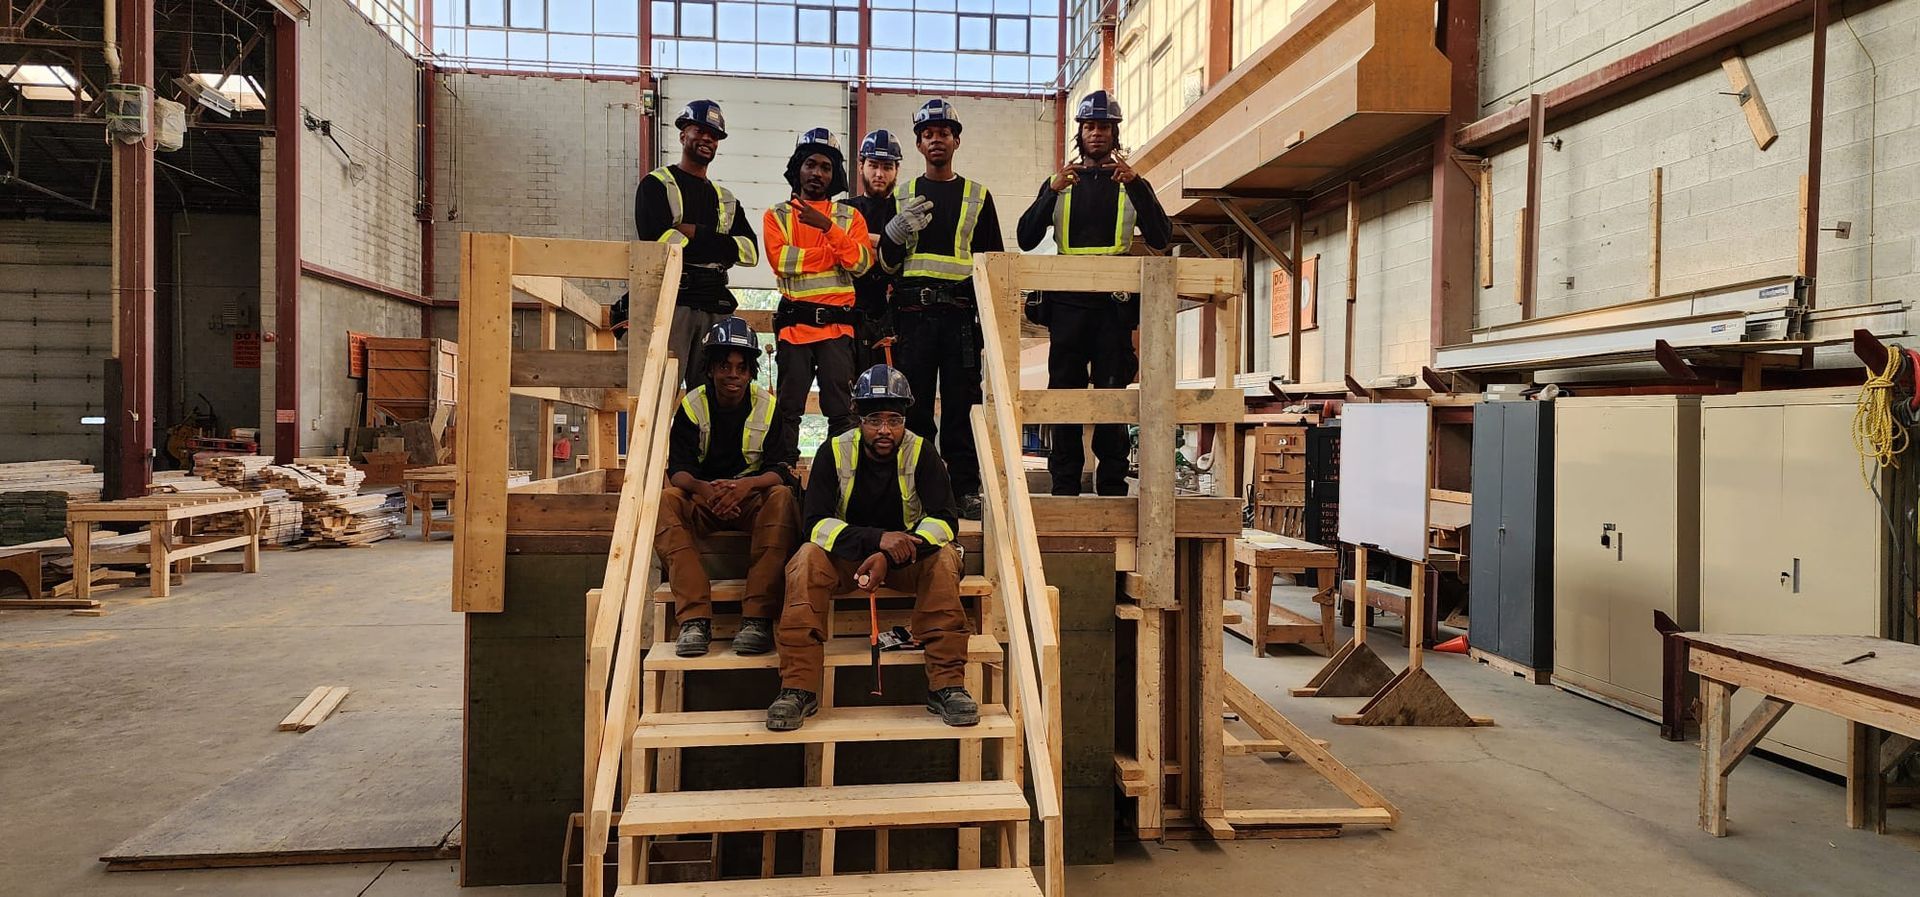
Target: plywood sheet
1383,474
375,785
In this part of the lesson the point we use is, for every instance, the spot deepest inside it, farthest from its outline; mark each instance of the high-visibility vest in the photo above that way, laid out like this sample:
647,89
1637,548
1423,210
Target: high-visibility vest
1123,221
796,284
959,265
729,208
753,436
906,457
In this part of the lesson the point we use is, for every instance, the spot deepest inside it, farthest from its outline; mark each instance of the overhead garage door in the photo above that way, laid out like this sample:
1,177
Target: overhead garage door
763,118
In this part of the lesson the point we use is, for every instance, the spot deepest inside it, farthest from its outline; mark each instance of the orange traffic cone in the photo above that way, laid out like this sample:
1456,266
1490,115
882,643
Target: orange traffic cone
1455,645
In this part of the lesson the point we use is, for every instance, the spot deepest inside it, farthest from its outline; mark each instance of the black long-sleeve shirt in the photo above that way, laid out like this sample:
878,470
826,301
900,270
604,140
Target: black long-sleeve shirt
708,248
874,509
870,289
1096,200
724,459
937,237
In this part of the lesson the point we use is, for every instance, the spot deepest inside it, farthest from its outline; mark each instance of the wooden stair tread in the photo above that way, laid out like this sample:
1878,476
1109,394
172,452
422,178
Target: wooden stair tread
966,883
719,728
841,652
971,586
842,806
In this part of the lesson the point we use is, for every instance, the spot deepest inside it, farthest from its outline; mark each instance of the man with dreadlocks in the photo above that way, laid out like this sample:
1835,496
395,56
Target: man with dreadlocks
817,247
1093,206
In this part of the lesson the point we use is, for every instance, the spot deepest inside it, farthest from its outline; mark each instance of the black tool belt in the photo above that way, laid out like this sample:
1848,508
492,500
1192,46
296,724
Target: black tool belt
705,289
791,312
908,297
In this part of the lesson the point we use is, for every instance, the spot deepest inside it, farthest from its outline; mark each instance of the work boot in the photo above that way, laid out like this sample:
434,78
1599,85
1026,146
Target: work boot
970,506
955,706
790,709
755,636
694,635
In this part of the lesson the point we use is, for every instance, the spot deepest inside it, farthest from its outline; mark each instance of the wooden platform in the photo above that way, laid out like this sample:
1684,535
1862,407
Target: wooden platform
971,883
839,806
841,724
366,787
841,652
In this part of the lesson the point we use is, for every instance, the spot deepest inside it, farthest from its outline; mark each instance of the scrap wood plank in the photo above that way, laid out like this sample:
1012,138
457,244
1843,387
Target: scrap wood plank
46,603
1271,724
322,710
292,720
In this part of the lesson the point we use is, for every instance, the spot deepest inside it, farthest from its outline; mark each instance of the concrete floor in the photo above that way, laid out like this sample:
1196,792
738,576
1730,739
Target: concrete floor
111,722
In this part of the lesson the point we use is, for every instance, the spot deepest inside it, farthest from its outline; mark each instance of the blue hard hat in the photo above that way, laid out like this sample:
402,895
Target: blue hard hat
705,113
731,333
881,146
936,112
817,137
882,383
1098,106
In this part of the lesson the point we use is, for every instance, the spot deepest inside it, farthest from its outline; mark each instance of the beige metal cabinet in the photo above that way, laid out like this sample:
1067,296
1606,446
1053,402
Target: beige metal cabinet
1790,538
1625,540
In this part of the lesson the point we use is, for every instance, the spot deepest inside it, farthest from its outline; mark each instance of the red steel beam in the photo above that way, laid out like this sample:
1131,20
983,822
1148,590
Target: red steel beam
1817,110
286,238
429,85
1219,40
360,283
1450,317
133,269
1700,43
1530,228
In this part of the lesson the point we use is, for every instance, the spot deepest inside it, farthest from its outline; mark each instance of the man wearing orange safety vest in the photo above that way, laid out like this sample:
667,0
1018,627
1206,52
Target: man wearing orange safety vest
816,247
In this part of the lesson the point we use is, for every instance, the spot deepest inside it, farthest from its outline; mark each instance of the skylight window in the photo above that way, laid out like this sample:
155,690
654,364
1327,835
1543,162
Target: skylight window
45,82
242,90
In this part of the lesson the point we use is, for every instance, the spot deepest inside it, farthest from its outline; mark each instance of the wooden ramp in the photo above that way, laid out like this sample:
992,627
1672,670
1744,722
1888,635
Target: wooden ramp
365,787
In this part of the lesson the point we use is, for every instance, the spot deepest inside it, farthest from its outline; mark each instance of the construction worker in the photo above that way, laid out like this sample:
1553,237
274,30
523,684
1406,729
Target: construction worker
816,247
942,220
1093,206
879,512
879,167
726,473
677,204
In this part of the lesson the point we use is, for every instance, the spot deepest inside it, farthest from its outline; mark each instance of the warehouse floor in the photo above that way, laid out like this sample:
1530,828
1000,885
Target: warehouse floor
110,723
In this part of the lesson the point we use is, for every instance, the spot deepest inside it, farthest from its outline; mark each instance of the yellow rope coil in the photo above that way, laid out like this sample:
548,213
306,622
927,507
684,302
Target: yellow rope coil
1876,435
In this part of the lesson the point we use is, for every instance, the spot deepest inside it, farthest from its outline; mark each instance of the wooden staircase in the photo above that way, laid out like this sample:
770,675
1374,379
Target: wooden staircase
655,808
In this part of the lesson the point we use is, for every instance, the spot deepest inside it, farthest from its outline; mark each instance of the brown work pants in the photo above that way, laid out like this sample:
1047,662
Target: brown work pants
770,515
814,577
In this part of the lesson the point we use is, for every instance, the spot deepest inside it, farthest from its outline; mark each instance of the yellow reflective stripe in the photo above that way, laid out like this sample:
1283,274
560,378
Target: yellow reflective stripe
673,238
934,530
749,253
1122,228
667,180
698,414
827,531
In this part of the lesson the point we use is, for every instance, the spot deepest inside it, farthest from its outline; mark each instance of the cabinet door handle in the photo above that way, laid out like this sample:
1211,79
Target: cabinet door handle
1619,546
1796,576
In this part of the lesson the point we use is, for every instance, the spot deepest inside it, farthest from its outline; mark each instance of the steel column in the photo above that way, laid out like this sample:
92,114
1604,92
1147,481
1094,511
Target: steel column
1816,127
1450,317
133,270
286,238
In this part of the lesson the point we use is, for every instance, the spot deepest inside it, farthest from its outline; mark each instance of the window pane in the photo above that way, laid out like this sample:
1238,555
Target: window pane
933,66
736,57
570,15
696,54
973,70
892,29
976,5
1009,69
1010,35
696,20
1010,7
663,18
816,26
1046,37
449,12
776,60
933,31
976,33
1044,69
844,63
615,16
1048,7
666,53
776,24
527,46
846,25
734,21
934,5
489,46
892,64
616,51
574,48
485,12
529,14
892,4
813,61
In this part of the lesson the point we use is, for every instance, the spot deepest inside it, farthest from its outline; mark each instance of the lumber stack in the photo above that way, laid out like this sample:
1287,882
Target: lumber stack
280,519
31,516
76,479
312,482
240,472
352,520
171,482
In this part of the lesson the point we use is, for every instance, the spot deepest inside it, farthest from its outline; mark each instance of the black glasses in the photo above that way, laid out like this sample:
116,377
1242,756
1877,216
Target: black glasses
886,420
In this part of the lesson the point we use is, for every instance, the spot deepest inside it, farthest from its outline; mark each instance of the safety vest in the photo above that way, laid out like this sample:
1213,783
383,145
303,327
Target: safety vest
959,265
1123,221
729,207
796,284
846,458
753,436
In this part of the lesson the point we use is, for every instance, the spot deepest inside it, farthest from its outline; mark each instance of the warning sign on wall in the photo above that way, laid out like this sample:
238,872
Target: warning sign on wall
246,349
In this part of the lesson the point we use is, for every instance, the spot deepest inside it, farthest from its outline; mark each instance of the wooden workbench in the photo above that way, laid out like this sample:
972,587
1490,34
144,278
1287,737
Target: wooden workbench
172,542
1257,556
1878,696
424,486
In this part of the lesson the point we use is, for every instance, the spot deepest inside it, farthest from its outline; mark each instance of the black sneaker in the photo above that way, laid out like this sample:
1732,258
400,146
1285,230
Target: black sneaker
790,709
755,636
694,636
955,706
970,506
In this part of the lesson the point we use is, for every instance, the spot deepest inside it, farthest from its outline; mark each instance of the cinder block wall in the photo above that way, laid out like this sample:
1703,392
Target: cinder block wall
1006,144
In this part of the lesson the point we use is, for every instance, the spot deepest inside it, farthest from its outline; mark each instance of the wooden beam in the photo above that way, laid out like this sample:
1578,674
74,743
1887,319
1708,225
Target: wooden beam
568,368
1102,515
1741,741
596,398
1259,237
1193,276
583,259
1759,121
557,293
1122,406
1483,183
480,492
1656,197
1530,224
1159,307
1199,242
1353,275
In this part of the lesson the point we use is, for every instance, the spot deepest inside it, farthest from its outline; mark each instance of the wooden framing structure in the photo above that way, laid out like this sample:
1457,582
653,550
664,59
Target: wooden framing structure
172,543
1256,561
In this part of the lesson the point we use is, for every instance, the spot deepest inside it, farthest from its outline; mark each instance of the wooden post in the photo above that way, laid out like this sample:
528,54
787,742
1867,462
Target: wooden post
1353,272
1530,237
1654,203
1417,619
480,493
1484,180
1714,699
1158,308
1149,651
543,465
1360,611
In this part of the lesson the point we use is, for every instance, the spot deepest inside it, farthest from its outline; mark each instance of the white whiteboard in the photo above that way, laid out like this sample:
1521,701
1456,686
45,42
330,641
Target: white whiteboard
1383,477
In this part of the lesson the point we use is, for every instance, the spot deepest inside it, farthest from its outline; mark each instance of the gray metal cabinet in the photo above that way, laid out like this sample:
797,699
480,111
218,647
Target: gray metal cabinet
1510,591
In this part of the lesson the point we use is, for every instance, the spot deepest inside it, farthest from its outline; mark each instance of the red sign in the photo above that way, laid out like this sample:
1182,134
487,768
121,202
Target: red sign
286,416
246,349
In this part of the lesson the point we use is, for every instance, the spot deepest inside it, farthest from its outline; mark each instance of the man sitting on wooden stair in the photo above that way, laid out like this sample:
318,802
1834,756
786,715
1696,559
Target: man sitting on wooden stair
879,511
721,478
